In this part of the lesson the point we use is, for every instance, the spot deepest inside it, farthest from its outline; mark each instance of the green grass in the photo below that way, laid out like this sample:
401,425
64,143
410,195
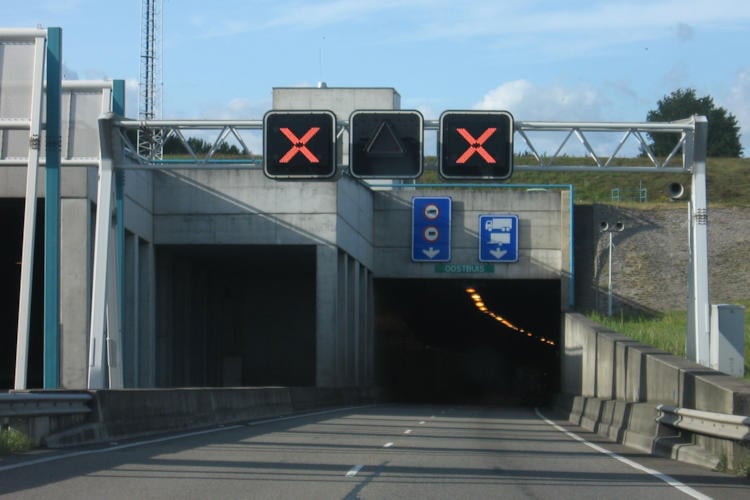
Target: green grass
728,181
666,332
13,441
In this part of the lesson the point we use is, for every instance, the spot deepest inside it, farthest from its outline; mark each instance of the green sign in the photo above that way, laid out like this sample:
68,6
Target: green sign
464,268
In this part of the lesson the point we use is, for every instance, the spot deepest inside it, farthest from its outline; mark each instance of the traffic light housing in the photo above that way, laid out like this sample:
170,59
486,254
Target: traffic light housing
299,144
476,145
386,144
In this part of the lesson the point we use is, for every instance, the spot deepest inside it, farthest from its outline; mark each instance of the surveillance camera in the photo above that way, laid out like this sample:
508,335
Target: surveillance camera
676,191
603,225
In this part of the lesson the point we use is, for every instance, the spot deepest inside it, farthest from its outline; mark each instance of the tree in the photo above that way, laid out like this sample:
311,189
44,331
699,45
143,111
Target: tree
723,130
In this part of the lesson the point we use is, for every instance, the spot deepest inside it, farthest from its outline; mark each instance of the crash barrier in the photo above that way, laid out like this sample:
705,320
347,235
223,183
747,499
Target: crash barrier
40,414
721,425
613,385
113,415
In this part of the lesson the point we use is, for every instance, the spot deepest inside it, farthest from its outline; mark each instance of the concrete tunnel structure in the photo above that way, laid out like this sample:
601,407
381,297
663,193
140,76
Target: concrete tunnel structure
234,279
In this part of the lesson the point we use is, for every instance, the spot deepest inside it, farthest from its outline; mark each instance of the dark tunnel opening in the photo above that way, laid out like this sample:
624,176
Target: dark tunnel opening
468,341
12,226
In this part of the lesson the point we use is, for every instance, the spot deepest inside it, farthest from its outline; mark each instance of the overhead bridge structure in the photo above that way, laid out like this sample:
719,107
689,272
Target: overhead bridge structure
201,271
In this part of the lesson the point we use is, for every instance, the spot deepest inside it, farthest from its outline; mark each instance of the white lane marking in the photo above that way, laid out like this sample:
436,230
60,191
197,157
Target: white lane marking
387,445
659,475
407,431
112,448
170,438
354,470
422,422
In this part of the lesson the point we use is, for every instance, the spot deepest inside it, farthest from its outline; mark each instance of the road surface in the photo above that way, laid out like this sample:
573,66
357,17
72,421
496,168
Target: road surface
368,452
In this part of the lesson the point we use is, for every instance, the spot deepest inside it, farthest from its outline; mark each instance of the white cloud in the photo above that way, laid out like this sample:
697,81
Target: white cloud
527,101
554,103
584,28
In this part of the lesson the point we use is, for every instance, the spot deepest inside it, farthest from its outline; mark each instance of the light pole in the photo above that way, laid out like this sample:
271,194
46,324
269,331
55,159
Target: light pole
606,227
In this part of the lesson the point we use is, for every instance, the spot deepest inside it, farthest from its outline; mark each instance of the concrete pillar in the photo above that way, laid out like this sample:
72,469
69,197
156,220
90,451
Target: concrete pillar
326,294
356,330
146,317
341,337
75,292
130,311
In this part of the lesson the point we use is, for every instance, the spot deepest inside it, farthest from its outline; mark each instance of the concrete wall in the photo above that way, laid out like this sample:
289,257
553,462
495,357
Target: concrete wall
127,414
599,366
544,221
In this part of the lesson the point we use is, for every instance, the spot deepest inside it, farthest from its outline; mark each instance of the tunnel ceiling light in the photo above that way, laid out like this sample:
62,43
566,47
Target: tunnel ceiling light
481,306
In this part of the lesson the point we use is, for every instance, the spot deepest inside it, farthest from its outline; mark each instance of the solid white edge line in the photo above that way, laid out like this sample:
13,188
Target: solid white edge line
354,470
171,437
655,473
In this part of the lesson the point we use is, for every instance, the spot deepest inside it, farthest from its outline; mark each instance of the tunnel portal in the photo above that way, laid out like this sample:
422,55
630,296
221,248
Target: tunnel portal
468,341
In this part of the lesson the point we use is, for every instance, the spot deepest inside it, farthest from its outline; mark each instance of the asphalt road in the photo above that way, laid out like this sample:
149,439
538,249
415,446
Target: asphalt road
369,452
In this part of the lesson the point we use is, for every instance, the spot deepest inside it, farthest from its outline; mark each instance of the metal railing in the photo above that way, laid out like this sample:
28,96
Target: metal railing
721,425
30,404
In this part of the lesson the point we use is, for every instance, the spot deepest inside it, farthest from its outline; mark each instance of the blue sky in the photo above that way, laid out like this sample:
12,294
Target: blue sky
541,60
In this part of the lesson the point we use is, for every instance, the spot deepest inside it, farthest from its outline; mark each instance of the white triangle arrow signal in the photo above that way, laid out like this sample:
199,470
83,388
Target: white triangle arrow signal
431,253
497,253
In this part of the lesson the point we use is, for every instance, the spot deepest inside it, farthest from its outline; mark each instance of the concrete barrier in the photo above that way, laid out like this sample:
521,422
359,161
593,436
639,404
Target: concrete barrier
127,414
612,385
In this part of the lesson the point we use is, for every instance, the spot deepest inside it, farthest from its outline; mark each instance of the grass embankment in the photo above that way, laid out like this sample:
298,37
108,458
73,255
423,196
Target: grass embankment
665,332
728,181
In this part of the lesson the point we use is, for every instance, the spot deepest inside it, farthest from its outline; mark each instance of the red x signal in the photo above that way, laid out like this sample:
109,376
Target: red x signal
476,145
299,145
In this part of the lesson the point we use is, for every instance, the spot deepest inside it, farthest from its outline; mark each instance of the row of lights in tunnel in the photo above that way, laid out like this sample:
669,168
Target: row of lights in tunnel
481,306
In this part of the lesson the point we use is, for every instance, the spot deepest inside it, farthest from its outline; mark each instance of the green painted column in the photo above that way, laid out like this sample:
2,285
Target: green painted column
52,212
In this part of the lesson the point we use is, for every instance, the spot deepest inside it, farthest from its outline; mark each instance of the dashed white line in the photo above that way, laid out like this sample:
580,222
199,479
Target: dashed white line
407,431
387,445
659,475
354,470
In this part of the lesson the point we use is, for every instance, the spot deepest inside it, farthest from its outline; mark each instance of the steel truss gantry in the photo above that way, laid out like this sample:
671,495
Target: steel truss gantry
687,157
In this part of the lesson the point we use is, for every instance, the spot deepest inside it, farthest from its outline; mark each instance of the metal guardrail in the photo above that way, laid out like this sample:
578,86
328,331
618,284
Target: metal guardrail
32,404
721,425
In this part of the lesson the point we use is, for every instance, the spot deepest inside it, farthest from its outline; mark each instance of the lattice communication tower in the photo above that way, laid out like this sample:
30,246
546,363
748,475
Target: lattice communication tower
150,83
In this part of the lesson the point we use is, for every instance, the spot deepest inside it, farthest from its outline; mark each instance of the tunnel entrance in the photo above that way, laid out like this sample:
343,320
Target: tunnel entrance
11,227
235,315
468,341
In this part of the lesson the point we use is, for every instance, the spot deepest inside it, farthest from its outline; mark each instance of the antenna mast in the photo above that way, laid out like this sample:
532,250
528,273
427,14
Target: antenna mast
150,82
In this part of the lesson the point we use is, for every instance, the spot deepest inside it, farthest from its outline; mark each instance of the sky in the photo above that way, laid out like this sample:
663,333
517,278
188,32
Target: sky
542,60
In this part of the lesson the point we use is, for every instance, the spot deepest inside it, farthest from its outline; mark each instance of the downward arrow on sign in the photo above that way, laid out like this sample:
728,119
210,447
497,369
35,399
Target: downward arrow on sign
497,253
431,252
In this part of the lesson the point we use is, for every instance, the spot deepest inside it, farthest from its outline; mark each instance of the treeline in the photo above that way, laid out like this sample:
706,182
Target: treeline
174,146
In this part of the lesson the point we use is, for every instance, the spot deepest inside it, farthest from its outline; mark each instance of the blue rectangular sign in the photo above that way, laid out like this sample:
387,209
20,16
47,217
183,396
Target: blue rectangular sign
431,229
498,238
